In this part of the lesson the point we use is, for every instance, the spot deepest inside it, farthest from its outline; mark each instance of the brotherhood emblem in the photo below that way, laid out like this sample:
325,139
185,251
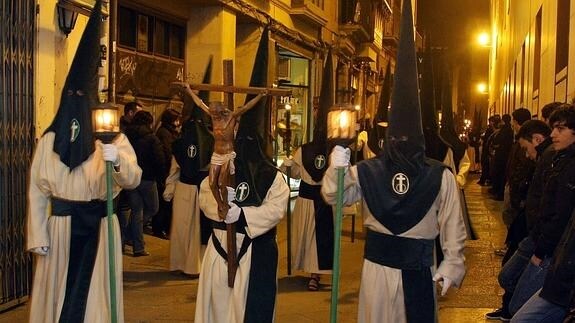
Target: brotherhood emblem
319,162
74,130
380,143
192,151
400,183
242,191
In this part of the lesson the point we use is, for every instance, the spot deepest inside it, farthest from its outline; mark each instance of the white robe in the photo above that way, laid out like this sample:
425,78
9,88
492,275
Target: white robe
185,235
49,177
216,302
381,290
304,246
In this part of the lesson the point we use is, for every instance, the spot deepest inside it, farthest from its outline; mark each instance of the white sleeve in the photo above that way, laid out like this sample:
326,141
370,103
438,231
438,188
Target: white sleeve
452,232
37,217
129,174
352,189
464,165
173,177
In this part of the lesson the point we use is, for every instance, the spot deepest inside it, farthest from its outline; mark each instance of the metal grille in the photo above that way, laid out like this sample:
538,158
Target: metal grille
17,43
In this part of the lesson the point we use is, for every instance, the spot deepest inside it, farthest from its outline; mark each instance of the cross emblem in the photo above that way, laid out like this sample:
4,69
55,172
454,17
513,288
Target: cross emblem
242,191
74,130
319,162
380,143
192,151
400,183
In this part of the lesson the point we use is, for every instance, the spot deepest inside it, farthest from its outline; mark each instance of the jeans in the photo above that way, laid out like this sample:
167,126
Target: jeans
539,310
529,283
514,267
144,204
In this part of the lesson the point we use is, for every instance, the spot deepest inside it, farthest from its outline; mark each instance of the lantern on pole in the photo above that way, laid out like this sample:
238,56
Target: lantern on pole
341,131
106,123
287,146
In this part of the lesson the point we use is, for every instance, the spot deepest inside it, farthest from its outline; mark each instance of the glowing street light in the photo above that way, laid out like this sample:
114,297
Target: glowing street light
482,88
484,39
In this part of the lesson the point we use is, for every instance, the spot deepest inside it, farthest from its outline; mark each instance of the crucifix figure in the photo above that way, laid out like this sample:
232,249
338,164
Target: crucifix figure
224,124
224,120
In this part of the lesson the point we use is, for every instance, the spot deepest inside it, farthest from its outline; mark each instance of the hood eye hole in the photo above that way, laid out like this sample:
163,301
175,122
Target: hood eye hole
79,92
70,92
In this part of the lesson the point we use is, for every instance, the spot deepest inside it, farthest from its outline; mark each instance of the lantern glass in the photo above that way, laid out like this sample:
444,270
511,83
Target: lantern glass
341,122
106,121
66,18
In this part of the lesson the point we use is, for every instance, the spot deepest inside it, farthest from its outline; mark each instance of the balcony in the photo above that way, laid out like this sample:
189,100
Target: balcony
309,10
391,28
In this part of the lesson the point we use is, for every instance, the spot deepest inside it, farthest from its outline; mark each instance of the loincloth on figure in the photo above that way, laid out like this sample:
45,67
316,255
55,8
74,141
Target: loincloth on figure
222,159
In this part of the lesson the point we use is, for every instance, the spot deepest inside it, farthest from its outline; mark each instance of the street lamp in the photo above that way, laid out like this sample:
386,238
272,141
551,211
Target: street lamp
484,39
66,17
482,88
106,126
341,130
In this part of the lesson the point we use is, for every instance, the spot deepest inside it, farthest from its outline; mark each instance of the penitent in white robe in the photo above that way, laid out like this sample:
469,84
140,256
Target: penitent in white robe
49,177
185,237
216,302
381,297
304,245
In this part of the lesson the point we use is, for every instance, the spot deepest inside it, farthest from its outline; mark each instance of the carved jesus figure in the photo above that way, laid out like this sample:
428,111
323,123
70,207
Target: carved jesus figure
224,124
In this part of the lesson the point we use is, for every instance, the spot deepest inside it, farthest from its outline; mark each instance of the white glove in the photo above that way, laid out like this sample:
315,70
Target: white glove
168,196
340,156
40,251
233,213
444,282
110,153
288,162
231,194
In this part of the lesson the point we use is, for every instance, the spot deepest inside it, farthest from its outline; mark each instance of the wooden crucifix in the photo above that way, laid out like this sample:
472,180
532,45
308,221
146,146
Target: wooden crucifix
224,121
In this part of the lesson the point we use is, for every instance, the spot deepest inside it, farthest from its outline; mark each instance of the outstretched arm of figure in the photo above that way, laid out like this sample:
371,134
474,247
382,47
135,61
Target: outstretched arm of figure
186,88
243,109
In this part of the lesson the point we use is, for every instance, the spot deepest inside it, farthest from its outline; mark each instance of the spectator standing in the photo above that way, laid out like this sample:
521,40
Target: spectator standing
144,199
500,149
167,132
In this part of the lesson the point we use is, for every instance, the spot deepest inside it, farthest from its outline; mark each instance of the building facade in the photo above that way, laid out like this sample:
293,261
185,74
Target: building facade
532,54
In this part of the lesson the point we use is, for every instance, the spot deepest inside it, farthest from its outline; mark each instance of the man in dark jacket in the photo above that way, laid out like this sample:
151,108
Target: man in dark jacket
494,121
556,295
533,136
500,149
144,198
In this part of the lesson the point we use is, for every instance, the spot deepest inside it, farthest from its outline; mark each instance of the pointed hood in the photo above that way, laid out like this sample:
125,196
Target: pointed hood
376,135
448,125
400,186
195,130
435,146
405,144
253,140
314,153
72,125
326,100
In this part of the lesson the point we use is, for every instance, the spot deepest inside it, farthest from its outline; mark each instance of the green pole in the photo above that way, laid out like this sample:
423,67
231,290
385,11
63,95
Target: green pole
336,245
288,174
111,247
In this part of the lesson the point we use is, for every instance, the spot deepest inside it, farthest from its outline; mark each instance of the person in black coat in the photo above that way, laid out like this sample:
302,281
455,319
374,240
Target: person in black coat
143,200
494,121
168,132
500,149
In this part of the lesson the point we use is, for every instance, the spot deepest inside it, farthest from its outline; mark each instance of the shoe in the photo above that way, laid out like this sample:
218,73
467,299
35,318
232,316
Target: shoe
141,254
313,284
162,235
500,252
499,314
